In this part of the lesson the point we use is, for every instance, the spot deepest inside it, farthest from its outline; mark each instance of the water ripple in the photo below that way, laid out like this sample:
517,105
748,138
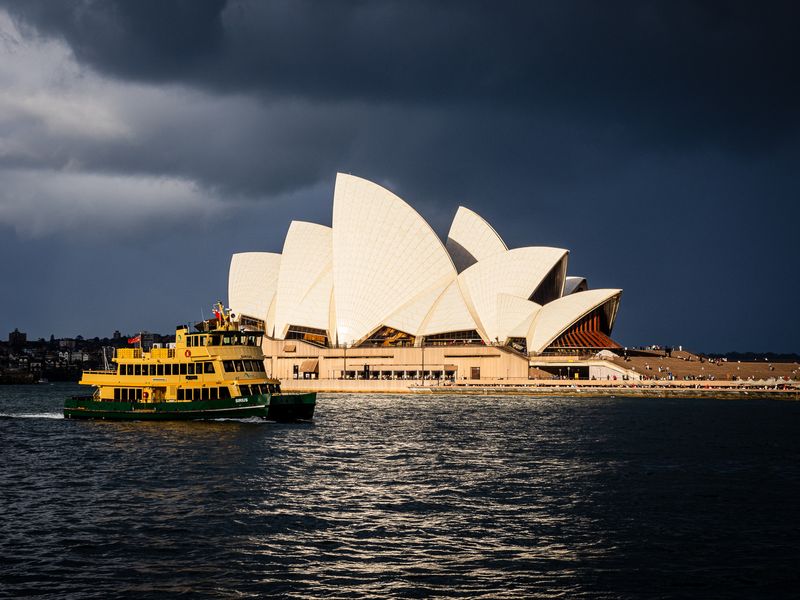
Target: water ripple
401,496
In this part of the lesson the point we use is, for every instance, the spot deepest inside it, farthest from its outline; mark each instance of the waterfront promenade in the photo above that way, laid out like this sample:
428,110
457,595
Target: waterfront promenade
785,390
682,374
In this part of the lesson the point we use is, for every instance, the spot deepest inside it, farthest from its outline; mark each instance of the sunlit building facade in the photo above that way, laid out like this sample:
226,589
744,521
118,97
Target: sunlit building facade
378,296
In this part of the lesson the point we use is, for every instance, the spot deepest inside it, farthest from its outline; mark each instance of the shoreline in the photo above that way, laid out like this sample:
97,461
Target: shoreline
789,391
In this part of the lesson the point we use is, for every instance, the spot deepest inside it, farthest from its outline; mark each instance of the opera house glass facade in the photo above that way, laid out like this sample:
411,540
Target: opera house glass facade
380,285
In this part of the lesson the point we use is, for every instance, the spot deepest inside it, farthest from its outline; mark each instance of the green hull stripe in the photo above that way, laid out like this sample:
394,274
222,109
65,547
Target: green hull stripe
277,407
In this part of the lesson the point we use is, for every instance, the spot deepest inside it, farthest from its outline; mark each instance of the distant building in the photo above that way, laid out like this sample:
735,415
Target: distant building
148,339
117,335
17,338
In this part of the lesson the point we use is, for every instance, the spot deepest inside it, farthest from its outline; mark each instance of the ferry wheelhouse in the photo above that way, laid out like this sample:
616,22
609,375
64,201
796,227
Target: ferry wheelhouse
215,372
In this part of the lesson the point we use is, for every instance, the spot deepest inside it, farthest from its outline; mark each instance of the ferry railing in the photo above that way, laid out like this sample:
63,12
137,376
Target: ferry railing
129,353
162,353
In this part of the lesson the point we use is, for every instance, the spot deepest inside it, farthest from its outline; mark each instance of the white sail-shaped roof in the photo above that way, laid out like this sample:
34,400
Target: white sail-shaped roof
559,315
472,239
450,313
384,255
409,317
252,282
573,284
516,272
514,316
305,278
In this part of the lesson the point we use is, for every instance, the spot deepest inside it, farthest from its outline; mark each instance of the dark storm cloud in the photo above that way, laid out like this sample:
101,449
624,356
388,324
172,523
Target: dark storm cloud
658,141
687,70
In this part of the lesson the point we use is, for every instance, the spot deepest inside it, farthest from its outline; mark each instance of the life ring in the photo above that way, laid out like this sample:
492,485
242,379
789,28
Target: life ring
145,395
188,353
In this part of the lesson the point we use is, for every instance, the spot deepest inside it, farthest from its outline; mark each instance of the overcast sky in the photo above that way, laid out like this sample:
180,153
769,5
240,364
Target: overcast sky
144,142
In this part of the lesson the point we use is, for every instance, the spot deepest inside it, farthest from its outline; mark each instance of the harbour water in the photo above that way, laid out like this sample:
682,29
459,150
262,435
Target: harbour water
401,496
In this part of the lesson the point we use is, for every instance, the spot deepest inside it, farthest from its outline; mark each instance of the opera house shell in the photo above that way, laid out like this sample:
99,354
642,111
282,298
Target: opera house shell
380,278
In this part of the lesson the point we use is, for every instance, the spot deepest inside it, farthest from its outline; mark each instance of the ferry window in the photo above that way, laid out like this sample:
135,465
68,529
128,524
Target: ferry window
227,365
124,393
196,394
138,393
209,368
117,394
159,369
213,393
226,340
244,390
239,365
183,368
180,393
167,369
190,368
152,369
137,369
213,340
224,393
205,394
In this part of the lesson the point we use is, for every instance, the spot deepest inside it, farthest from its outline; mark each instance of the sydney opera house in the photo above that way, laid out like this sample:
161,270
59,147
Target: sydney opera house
378,296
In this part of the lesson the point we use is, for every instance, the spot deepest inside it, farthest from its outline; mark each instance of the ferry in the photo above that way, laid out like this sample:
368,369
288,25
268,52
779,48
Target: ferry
216,372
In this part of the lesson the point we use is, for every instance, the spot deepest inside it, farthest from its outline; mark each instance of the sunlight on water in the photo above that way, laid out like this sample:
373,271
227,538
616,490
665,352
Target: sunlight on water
398,496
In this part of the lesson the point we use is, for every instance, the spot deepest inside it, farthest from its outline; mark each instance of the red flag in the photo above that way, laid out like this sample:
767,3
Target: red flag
135,340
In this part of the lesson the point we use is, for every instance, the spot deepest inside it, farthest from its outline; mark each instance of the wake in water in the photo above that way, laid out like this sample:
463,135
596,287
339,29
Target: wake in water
32,416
